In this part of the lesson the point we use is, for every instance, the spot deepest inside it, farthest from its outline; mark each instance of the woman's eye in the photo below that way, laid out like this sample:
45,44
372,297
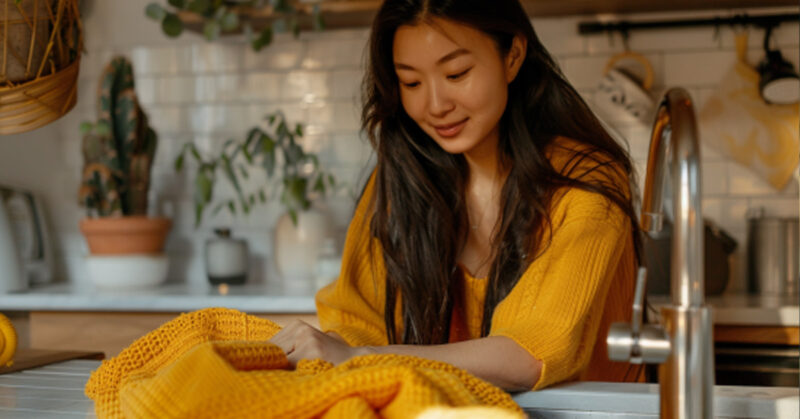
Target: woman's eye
459,75
410,85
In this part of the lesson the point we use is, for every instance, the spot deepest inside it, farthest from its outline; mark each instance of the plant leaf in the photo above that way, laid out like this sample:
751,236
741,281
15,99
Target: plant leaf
319,185
201,7
298,130
264,38
293,216
227,167
198,213
229,21
262,196
204,185
212,30
318,22
85,127
179,162
243,171
218,208
172,25
232,207
155,11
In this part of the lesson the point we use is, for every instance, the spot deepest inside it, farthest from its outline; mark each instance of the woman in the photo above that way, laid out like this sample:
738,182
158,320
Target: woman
497,231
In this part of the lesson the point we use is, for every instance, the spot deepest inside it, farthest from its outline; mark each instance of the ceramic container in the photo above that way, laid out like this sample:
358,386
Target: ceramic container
226,258
124,272
297,248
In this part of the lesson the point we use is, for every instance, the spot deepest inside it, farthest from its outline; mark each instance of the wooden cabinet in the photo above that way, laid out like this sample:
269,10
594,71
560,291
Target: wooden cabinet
109,332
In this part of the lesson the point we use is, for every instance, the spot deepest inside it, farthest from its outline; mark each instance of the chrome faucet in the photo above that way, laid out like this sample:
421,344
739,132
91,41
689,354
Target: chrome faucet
683,344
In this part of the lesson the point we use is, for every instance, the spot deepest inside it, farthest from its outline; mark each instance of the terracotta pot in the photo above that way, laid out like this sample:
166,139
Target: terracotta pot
125,235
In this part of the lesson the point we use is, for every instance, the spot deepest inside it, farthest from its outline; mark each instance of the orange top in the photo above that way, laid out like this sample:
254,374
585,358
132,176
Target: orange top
565,299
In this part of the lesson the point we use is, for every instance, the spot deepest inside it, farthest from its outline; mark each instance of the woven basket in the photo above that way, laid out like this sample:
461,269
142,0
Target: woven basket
40,46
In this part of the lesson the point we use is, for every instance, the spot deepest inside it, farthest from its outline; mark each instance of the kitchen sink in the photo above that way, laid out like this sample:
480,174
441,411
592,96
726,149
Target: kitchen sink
585,400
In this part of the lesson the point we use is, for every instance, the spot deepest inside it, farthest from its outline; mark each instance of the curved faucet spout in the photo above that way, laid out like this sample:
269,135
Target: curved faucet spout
683,343
675,154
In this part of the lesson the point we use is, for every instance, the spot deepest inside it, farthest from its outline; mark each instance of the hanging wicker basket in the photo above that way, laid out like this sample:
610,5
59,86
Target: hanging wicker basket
40,47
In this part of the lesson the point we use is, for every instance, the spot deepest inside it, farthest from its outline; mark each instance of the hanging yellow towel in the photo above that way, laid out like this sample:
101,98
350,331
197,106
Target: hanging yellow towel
217,363
736,121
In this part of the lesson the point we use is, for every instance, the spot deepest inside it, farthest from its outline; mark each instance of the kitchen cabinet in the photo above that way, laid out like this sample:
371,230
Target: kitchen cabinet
359,13
111,332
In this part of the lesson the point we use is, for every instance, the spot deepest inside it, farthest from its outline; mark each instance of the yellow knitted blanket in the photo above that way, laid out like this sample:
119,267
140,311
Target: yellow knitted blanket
217,363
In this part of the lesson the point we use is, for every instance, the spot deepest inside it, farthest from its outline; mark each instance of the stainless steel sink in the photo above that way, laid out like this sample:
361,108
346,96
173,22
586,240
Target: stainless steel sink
633,400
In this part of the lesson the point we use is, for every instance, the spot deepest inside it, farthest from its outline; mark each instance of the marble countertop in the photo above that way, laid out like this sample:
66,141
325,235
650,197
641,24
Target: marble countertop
269,298
56,391
747,310
178,297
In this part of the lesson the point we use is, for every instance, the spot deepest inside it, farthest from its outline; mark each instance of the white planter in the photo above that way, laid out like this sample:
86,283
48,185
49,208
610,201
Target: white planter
297,248
127,272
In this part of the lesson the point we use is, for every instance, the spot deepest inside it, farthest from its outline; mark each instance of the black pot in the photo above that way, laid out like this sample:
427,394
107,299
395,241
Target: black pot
718,247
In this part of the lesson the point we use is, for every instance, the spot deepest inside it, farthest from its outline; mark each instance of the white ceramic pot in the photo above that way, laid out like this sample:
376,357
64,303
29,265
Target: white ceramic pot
297,248
127,272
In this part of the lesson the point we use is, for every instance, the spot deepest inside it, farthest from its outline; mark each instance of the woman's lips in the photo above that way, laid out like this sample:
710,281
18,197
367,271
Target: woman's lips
451,130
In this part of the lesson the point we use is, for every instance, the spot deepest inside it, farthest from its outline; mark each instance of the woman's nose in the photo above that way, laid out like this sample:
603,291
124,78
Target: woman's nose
439,101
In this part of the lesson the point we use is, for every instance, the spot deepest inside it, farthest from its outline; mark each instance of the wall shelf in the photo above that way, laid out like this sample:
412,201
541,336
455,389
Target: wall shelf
359,13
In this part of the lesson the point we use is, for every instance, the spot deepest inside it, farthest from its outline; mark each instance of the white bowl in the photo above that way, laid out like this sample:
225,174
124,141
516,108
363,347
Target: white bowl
127,271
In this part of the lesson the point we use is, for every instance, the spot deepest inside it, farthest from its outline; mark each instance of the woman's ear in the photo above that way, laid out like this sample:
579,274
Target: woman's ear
515,57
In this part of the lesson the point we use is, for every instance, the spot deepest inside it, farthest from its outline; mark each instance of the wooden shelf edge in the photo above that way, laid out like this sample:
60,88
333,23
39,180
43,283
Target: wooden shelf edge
340,14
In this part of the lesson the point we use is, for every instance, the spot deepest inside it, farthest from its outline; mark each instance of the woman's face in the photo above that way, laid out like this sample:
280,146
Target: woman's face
454,82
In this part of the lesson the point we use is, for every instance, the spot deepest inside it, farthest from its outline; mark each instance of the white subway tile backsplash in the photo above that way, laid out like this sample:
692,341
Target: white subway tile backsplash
167,119
324,54
702,68
213,119
584,72
333,117
744,182
348,150
558,35
175,89
307,86
262,86
346,84
715,178
162,60
214,58
786,34
777,207
282,54
293,112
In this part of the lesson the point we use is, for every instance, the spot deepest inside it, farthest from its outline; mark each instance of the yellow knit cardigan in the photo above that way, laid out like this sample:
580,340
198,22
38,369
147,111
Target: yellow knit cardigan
560,309
217,363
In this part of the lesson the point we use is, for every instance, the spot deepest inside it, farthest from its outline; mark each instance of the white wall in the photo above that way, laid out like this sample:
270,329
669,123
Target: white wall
208,92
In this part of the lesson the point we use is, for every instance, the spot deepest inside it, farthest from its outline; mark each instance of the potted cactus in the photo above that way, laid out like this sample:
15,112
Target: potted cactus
118,153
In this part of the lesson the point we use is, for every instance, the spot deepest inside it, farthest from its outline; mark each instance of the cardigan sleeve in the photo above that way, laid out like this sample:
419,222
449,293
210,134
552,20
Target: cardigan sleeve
554,310
352,306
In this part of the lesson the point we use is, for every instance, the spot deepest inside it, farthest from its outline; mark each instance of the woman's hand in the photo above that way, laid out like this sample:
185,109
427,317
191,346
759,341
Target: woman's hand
299,340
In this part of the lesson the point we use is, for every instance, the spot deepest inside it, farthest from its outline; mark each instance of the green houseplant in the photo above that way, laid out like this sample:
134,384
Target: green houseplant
291,172
118,151
218,17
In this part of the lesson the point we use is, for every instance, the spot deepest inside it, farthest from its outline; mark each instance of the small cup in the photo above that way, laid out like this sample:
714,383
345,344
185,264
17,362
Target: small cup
226,258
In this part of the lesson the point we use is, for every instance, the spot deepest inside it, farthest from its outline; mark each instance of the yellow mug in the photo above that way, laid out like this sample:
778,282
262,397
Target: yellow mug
8,341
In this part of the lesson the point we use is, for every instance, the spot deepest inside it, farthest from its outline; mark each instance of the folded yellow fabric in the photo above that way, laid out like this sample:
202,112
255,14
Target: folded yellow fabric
217,363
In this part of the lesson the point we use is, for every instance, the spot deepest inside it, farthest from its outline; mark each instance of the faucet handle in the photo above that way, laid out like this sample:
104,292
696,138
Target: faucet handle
636,342
638,301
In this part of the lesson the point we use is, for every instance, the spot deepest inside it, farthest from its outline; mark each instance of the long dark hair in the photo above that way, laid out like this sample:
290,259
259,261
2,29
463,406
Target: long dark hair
419,214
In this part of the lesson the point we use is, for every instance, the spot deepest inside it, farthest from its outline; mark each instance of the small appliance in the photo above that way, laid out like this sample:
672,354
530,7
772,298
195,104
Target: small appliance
25,249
